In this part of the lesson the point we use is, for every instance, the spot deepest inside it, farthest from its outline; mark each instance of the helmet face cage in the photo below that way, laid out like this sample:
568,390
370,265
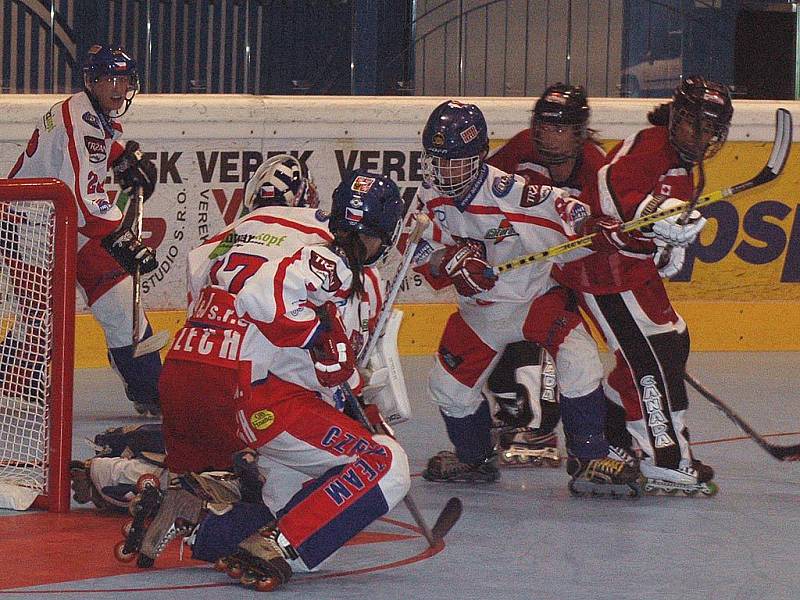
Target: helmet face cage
280,181
454,139
451,177
559,123
112,63
699,118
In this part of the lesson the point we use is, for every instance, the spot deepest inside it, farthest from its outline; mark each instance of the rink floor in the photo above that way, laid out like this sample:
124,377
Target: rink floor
524,537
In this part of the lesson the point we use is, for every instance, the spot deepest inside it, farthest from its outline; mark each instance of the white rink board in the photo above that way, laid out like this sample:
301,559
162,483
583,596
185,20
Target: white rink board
206,146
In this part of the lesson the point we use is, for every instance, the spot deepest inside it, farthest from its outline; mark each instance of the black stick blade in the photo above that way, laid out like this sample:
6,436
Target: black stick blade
450,514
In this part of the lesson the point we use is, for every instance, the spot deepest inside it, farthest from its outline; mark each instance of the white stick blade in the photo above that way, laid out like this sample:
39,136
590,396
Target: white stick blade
152,344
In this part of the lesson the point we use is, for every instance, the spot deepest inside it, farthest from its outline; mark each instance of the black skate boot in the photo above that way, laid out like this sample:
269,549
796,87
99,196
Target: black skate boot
603,477
166,515
524,447
690,478
142,508
261,560
445,466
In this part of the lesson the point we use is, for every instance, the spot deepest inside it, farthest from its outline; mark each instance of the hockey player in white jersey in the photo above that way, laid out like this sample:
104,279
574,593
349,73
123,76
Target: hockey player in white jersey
281,189
77,141
309,309
482,216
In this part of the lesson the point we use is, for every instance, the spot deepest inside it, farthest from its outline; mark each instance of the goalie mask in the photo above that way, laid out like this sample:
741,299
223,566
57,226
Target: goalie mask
281,180
699,118
455,140
106,66
559,123
370,204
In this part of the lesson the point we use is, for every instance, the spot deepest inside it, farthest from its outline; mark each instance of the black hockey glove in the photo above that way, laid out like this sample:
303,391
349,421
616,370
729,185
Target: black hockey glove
134,172
129,251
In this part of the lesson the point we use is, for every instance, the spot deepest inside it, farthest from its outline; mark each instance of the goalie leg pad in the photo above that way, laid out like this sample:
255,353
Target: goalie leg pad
387,387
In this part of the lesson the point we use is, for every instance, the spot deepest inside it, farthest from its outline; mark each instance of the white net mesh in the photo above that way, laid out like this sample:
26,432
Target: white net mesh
27,233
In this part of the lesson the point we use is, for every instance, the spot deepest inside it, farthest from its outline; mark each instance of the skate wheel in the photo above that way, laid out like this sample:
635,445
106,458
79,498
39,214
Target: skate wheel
574,490
144,562
121,555
234,570
220,566
710,489
147,480
266,584
126,527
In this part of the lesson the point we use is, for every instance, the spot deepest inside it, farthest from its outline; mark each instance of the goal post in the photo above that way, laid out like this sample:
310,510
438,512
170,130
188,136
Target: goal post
38,237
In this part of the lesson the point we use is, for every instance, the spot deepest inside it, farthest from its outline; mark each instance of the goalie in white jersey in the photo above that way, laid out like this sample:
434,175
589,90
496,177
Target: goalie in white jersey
272,328
482,216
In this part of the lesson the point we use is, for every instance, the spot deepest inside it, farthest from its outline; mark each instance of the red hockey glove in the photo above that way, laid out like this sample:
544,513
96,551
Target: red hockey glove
609,237
334,359
466,268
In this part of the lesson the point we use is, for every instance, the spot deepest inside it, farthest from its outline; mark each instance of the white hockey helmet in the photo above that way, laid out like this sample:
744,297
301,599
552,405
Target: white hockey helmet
281,180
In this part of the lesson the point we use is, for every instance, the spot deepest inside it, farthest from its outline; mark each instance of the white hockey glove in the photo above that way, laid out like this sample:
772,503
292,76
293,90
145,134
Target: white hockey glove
669,259
670,230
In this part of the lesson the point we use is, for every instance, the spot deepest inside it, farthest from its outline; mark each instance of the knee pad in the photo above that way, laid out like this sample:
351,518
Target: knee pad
219,535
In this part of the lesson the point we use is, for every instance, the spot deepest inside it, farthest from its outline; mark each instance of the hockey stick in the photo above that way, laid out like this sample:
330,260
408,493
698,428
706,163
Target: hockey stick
788,453
158,340
453,508
780,152
420,225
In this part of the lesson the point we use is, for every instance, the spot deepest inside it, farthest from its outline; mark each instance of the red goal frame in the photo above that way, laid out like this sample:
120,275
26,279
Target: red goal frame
56,497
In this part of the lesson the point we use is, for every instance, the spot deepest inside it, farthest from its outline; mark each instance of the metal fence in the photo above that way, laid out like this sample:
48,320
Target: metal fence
423,47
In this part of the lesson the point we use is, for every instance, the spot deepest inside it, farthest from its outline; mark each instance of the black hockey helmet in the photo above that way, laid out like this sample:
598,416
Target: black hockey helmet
705,108
559,123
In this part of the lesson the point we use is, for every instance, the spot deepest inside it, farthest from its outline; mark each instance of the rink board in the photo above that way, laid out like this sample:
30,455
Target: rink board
738,289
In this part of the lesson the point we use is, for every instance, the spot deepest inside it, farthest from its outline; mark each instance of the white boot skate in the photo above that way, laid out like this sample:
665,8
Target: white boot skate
261,560
690,478
525,448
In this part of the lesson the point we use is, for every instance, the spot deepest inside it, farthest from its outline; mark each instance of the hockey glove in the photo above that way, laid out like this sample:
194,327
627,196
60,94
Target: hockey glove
129,251
670,229
669,259
465,267
134,172
333,356
609,237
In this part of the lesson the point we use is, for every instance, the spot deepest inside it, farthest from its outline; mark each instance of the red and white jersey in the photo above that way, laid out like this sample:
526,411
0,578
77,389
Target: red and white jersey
262,278
642,164
507,219
72,144
520,156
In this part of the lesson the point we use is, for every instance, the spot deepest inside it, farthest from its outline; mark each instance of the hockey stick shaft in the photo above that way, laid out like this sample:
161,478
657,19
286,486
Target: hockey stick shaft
780,152
354,410
138,203
421,223
789,453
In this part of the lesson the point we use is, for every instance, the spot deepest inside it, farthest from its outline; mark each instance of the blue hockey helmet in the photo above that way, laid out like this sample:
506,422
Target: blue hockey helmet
370,204
453,139
107,61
